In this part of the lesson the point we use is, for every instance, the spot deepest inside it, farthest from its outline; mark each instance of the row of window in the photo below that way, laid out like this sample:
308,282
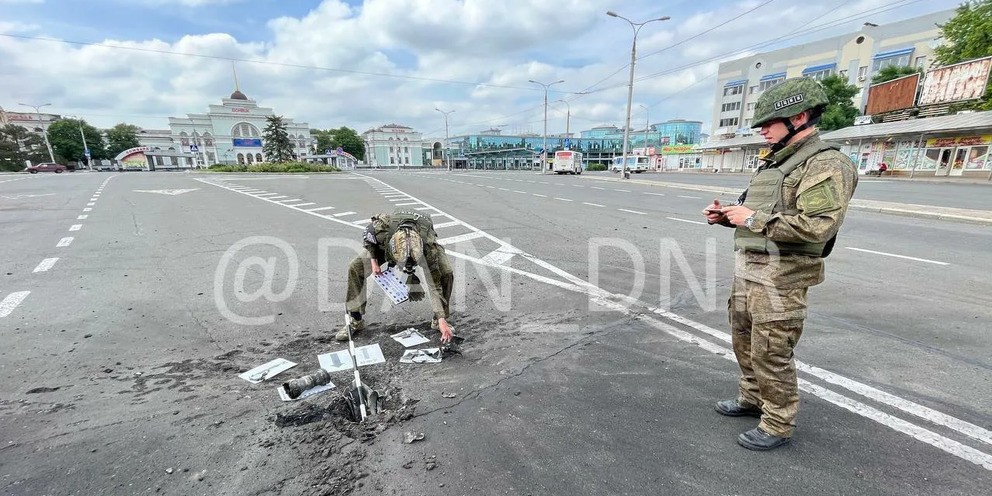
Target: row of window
728,107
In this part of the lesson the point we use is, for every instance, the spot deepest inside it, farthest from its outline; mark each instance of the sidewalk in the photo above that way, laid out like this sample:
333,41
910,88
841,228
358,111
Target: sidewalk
982,217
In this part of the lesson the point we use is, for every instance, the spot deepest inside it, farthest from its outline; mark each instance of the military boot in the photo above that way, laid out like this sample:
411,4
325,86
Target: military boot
759,440
356,327
734,408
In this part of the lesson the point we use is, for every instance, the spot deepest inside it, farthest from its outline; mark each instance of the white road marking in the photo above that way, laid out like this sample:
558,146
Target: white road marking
685,220
293,200
504,189
542,196
622,190
277,197
592,204
578,186
45,264
631,211
87,209
407,204
447,224
268,194
563,199
461,237
597,187
521,192
170,192
94,199
82,217
65,242
899,256
655,194
90,204
75,227
424,208
500,256
363,221
690,197
304,204
439,214
11,301
342,214
319,209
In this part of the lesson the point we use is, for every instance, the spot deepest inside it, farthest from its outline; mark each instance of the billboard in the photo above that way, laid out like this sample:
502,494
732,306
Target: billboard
252,142
896,94
955,83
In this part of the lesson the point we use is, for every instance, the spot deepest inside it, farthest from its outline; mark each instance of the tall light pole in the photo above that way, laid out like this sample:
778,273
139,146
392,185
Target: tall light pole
636,27
544,152
86,149
44,132
568,117
647,126
447,146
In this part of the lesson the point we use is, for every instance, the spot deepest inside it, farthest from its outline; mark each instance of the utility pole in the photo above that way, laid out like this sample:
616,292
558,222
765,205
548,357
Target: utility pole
636,27
44,131
447,145
647,126
544,149
568,117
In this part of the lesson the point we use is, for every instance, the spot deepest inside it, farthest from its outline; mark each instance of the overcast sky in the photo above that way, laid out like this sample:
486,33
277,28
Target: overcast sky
367,63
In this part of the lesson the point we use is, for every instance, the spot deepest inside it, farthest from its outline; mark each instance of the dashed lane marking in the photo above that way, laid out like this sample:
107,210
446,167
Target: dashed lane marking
11,301
46,264
65,242
631,211
904,257
75,227
687,221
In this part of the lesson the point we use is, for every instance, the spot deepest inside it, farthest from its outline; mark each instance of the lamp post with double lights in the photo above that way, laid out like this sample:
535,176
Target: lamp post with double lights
44,132
636,27
544,149
447,146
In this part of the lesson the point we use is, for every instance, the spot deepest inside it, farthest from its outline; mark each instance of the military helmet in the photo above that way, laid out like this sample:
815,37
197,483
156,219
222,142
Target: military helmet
406,248
791,97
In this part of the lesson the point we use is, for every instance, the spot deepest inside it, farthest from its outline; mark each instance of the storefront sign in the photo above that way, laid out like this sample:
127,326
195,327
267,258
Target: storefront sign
239,109
252,142
959,141
676,149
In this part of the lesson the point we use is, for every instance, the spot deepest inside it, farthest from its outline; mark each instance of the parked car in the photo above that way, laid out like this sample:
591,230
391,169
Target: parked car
46,167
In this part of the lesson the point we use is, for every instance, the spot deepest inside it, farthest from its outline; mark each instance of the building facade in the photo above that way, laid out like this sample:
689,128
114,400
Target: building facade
394,145
32,121
855,57
229,133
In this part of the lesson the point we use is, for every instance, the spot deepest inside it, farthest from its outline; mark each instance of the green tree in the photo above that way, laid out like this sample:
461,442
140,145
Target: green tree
325,140
348,140
277,146
18,145
68,144
840,112
121,137
968,36
888,73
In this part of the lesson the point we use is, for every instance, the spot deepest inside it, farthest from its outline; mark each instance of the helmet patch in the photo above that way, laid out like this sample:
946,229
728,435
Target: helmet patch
792,100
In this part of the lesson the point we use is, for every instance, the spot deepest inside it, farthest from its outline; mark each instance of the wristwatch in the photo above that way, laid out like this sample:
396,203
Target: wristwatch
749,221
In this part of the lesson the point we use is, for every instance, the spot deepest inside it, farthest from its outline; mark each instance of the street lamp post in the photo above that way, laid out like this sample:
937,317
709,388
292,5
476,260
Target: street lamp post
647,126
544,149
636,27
568,117
86,149
44,132
447,145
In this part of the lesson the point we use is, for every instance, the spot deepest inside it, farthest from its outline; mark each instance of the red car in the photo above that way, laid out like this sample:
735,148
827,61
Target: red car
46,167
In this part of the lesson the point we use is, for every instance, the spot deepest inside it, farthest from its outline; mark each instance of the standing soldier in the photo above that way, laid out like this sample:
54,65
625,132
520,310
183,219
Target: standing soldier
406,239
785,224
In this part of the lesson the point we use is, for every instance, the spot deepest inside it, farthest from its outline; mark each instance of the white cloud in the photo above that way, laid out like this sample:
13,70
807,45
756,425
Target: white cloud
319,67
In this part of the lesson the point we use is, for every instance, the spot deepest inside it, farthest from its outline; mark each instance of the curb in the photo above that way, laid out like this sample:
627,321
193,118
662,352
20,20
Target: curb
980,217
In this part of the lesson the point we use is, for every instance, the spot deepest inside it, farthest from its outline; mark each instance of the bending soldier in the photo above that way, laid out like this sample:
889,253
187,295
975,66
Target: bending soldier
785,225
407,240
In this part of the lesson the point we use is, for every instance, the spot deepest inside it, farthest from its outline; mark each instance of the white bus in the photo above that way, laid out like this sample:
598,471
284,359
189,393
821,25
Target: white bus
635,163
567,162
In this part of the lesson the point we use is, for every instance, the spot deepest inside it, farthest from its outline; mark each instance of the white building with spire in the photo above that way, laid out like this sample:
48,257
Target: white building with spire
229,133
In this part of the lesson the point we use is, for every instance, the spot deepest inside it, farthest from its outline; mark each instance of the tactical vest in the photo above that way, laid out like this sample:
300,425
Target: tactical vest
764,194
418,221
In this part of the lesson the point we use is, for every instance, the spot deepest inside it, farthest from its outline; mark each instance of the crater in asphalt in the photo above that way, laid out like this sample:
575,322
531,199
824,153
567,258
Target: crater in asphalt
43,390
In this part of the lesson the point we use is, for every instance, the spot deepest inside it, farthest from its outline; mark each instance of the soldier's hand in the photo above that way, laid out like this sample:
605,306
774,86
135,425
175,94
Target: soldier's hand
713,212
446,331
737,214
376,269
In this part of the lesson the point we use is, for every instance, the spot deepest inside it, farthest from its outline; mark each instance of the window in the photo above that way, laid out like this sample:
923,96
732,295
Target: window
898,61
245,130
406,160
392,160
406,149
764,85
750,107
732,122
733,90
258,157
920,62
729,107
747,123
819,75
390,149
752,89
842,74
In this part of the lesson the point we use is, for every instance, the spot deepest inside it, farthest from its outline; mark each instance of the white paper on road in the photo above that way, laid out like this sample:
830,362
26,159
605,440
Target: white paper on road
267,371
423,355
341,360
410,337
391,284
309,392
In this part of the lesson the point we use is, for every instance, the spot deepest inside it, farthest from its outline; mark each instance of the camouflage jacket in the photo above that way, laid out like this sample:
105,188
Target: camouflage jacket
381,229
817,193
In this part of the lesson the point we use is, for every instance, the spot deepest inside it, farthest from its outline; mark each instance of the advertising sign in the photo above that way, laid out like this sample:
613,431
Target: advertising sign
676,149
252,142
896,94
955,83
959,141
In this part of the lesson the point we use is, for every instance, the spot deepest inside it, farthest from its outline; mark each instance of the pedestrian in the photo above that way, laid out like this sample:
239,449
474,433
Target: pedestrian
406,240
785,223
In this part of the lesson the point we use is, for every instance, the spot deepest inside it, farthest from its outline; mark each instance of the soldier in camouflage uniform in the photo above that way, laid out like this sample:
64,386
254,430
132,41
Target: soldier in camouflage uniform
406,239
785,225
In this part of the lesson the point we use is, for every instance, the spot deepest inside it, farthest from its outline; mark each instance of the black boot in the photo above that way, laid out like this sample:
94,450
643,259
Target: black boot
759,440
734,408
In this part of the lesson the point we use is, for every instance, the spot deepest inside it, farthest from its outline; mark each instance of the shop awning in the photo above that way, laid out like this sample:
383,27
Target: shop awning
818,68
893,53
773,76
739,82
973,123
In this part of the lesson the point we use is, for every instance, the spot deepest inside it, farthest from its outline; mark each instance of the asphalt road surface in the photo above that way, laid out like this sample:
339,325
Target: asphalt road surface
597,344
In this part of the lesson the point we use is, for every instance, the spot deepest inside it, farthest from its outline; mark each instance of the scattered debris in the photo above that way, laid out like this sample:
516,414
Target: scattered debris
449,395
341,360
268,370
306,386
424,355
411,437
170,470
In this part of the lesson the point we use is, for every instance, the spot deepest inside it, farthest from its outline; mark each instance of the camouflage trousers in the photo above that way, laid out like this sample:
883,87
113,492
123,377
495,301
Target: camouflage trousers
361,268
766,324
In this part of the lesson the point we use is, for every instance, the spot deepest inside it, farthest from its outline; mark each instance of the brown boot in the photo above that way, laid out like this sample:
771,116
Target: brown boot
357,326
